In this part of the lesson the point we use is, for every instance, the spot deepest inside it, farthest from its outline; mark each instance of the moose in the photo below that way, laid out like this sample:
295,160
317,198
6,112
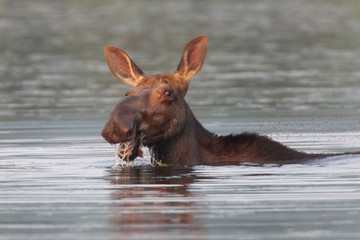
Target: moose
154,113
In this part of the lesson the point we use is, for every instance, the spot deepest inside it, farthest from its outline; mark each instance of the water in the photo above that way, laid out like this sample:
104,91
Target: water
288,69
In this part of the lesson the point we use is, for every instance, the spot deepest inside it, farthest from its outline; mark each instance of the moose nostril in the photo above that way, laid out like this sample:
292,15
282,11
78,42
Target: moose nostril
130,134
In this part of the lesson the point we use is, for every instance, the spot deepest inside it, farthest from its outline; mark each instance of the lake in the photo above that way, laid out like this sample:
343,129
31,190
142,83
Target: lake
286,69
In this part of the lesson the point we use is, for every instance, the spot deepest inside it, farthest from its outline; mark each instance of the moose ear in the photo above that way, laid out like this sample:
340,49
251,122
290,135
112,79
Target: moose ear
193,57
122,66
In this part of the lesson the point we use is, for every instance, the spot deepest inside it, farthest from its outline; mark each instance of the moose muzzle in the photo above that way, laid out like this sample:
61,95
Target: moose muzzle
122,128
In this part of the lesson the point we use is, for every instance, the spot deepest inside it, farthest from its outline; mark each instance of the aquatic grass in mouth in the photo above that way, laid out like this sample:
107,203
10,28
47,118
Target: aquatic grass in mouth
123,151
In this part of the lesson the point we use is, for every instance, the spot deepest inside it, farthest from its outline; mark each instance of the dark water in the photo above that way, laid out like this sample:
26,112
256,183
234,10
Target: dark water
288,69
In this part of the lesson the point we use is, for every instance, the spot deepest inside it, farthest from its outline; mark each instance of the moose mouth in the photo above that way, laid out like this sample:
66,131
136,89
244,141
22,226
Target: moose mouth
128,151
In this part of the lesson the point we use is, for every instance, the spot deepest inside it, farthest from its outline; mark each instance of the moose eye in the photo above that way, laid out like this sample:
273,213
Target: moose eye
168,93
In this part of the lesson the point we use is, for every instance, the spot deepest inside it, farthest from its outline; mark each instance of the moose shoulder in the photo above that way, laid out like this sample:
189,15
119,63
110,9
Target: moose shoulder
154,113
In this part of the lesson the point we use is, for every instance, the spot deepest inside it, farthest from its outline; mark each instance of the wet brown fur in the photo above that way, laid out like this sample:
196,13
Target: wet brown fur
171,130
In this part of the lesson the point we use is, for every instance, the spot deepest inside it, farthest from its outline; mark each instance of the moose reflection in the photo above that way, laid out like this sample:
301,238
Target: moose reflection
155,114
148,199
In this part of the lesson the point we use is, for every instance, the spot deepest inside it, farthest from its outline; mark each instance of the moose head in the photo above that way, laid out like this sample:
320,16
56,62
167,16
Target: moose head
153,111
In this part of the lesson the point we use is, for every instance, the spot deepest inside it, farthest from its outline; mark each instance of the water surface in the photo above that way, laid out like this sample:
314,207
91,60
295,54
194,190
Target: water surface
287,69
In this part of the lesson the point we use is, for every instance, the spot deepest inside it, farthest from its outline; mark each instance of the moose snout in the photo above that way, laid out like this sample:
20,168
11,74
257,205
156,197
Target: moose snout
121,126
117,132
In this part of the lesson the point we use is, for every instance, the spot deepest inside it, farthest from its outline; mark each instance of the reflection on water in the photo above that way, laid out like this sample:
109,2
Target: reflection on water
154,201
289,69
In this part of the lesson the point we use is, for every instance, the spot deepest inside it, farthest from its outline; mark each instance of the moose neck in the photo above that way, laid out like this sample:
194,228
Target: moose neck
191,146
196,145
183,148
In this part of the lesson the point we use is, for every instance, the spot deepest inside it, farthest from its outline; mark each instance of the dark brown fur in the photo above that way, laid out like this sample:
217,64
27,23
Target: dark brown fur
155,108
